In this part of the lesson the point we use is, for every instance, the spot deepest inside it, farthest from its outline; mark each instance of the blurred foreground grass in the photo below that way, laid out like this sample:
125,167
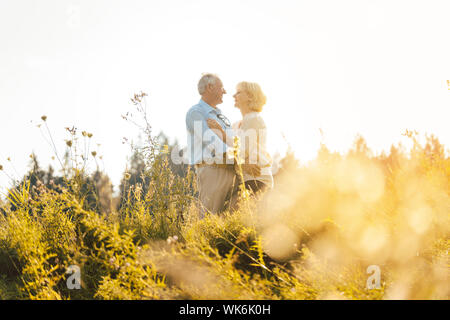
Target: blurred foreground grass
314,236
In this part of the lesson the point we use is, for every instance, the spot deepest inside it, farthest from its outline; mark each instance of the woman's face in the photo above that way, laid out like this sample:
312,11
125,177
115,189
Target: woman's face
241,98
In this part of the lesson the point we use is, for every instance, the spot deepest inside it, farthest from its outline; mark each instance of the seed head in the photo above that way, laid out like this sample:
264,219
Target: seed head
44,118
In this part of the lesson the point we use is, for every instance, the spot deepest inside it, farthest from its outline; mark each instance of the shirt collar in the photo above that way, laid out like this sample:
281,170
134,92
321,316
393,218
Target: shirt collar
208,108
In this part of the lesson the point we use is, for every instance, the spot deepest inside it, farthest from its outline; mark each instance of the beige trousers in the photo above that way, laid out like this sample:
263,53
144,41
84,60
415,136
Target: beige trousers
214,185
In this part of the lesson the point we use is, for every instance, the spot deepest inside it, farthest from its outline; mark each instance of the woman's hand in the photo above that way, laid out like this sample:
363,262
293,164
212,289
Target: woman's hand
213,124
217,129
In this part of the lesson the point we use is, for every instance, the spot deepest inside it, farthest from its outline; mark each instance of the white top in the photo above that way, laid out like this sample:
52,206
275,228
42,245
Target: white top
252,132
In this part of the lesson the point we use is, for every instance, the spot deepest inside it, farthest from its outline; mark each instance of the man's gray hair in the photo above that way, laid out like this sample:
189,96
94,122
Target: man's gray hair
207,78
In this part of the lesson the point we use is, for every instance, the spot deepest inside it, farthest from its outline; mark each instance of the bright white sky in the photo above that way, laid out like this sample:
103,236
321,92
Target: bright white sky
369,67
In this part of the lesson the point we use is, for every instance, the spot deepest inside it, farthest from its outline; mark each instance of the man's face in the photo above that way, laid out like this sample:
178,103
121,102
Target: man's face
217,91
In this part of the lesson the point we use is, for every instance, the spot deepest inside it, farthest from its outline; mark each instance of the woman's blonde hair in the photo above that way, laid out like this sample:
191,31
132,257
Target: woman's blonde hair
256,95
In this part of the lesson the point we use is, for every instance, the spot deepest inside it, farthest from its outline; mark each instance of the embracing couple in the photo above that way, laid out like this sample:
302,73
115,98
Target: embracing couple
210,144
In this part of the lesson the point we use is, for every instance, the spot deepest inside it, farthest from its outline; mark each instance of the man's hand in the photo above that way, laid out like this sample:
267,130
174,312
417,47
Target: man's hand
251,169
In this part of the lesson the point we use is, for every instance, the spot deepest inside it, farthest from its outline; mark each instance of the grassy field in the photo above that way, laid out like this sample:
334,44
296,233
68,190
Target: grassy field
353,226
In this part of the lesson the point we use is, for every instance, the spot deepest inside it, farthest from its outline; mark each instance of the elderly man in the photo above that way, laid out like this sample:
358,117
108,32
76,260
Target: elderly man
211,157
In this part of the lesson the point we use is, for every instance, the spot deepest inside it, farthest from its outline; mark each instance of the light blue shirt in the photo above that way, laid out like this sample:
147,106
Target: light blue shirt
203,145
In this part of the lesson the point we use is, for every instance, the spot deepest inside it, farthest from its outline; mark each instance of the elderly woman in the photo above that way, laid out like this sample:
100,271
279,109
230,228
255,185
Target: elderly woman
251,130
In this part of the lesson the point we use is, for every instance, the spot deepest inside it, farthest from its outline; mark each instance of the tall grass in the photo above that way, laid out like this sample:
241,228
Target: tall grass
312,237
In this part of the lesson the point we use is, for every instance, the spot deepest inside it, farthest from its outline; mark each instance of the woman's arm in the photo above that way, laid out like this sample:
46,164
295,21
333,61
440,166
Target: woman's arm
252,169
217,129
